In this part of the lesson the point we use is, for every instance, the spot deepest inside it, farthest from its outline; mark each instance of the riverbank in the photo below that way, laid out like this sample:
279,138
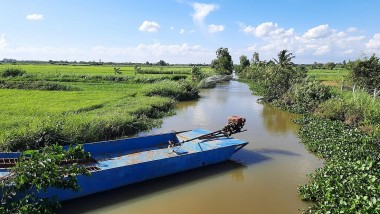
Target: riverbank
266,172
44,104
340,127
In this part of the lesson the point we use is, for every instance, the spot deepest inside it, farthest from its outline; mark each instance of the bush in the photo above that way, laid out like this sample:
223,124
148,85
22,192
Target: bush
180,90
12,72
354,109
37,85
36,171
366,73
304,97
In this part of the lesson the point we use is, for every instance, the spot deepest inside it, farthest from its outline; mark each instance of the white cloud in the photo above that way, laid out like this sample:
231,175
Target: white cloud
201,10
352,29
171,28
374,43
215,28
172,53
249,29
34,17
3,42
355,38
320,31
322,50
182,31
320,43
267,29
349,51
149,26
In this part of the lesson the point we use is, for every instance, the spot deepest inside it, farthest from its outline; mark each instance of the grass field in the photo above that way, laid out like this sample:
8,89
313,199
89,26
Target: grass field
329,77
104,105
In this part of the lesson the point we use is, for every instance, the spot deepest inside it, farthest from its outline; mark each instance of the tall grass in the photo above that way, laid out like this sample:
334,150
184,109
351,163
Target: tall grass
358,108
36,85
90,103
79,119
181,90
12,72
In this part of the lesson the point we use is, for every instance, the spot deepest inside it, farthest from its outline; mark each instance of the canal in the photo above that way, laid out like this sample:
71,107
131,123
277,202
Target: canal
261,178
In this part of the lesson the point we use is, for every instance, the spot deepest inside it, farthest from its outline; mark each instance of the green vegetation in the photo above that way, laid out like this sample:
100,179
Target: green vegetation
358,109
334,76
180,90
244,63
69,104
223,63
162,70
272,80
349,181
304,97
37,171
341,126
36,85
12,72
366,72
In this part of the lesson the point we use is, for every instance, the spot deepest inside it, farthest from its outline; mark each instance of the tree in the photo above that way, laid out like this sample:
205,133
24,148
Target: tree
162,63
244,63
330,65
284,58
223,63
366,73
196,73
255,58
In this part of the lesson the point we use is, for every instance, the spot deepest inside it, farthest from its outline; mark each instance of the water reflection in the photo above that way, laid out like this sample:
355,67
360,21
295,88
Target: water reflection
262,178
186,104
248,157
153,187
278,121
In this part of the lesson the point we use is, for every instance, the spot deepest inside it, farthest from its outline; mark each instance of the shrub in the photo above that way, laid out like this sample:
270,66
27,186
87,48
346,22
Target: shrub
180,90
12,72
354,109
36,85
366,73
304,97
36,171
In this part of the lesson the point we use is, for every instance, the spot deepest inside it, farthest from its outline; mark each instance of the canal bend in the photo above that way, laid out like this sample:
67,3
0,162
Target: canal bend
261,178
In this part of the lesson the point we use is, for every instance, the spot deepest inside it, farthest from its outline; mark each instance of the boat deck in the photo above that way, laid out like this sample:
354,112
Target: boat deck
114,158
148,154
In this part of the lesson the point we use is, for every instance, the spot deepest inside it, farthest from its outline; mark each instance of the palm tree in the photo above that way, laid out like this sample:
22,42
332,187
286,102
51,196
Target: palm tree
284,58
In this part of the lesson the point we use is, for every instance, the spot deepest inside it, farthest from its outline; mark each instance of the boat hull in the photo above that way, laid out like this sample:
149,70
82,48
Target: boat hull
129,161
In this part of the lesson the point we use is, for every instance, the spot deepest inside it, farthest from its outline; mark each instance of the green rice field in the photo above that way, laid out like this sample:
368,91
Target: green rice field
101,105
329,77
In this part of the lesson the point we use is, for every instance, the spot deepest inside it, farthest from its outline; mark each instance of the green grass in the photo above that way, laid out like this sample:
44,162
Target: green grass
328,76
103,106
47,69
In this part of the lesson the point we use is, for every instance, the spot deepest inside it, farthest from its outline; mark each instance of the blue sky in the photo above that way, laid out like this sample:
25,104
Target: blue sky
180,31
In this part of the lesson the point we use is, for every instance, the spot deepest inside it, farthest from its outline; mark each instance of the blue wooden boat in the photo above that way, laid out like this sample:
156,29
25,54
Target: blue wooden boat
121,162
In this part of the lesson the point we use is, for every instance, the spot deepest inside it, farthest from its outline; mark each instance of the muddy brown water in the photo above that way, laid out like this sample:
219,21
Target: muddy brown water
261,178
